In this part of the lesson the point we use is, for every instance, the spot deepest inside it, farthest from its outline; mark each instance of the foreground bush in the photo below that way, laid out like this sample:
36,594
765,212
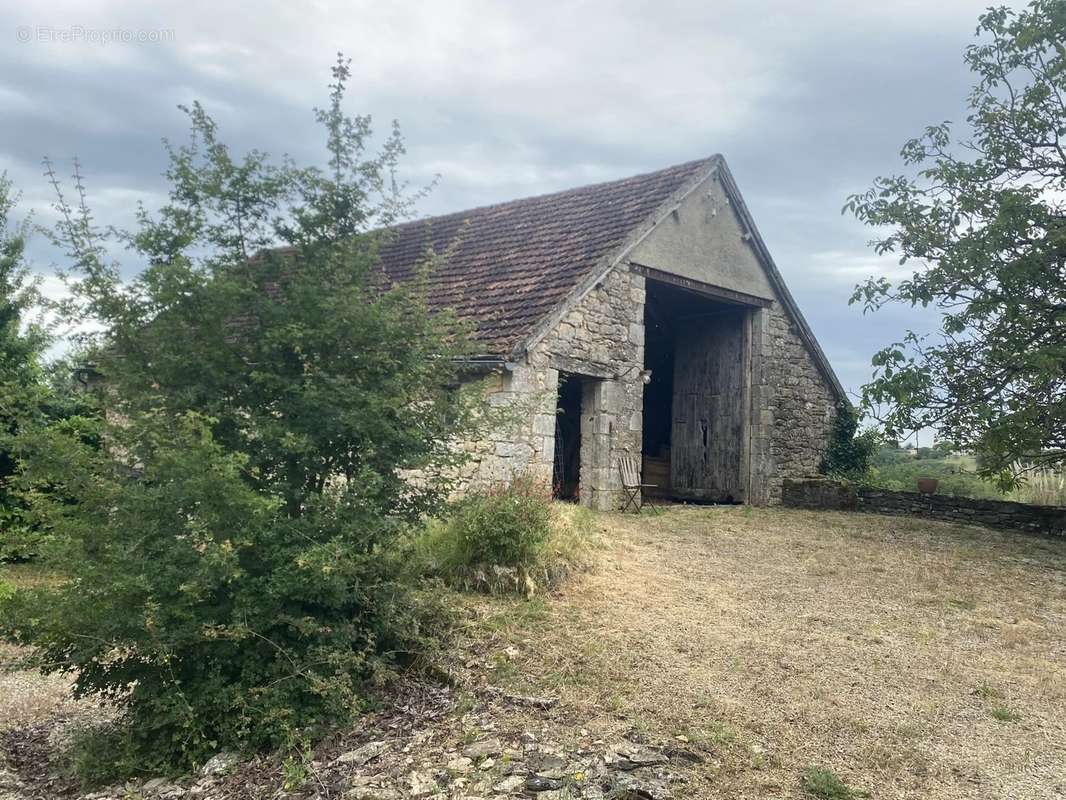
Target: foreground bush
509,538
230,545
192,601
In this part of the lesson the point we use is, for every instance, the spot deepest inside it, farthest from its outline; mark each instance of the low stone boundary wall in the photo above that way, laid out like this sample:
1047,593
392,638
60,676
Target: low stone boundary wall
829,494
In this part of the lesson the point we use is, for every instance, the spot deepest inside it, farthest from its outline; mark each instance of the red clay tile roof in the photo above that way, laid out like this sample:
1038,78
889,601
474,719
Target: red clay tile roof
514,262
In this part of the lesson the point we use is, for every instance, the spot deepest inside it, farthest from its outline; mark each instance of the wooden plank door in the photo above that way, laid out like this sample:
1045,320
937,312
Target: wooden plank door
707,455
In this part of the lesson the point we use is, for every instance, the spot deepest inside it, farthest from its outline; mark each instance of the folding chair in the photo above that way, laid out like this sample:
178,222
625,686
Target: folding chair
629,468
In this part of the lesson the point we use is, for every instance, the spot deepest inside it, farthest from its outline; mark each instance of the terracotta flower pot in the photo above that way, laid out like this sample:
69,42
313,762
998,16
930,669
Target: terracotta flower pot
927,485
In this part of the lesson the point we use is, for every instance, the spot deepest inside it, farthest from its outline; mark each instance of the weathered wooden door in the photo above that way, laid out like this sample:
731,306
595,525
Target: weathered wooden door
707,455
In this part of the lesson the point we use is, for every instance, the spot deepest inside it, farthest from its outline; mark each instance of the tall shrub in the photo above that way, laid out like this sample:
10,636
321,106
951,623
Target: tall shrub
978,214
23,388
232,581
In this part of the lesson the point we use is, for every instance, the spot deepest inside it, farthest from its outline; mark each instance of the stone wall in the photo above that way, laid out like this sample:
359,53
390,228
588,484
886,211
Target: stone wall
821,493
603,335
518,436
602,338
792,406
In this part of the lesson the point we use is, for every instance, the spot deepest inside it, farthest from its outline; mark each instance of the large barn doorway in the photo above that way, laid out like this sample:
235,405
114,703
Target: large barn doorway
696,406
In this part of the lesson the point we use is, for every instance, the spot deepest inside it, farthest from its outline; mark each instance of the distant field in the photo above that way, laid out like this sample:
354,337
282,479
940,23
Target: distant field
956,473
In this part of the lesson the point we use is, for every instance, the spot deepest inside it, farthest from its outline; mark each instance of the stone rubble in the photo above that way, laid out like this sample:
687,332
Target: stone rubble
428,744
220,764
376,771
362,755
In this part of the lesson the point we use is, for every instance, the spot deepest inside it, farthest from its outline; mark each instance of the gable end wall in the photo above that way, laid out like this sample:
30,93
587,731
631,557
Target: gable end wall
793,406
603,336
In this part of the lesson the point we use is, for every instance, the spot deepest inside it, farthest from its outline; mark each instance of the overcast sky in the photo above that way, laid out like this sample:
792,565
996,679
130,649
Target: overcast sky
808,103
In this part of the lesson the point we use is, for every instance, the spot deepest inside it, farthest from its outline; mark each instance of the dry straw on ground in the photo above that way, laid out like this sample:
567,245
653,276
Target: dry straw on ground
914,659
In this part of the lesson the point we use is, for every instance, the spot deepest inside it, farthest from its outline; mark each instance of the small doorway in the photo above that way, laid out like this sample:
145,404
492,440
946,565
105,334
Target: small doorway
566,472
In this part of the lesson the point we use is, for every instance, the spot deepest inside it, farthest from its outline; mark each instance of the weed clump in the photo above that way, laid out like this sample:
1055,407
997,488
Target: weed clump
509,538
826,785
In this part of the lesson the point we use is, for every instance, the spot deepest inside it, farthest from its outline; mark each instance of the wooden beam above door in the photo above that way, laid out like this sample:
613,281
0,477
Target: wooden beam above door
705,289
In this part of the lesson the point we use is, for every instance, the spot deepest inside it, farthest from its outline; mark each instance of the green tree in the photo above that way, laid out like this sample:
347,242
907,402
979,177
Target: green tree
984,218
277,416
23,387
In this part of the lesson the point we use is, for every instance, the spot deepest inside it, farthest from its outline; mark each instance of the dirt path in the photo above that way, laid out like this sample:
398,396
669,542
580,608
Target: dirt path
913,659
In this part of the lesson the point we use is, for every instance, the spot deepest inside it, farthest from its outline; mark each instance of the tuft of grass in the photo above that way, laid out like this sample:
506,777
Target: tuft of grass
1002,713
298,767
825,784
1043,487
571,546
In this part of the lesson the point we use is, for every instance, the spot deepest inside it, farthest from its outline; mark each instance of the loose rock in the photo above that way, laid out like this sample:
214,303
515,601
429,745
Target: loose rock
536,783
363,755
219,764
482,749
421,784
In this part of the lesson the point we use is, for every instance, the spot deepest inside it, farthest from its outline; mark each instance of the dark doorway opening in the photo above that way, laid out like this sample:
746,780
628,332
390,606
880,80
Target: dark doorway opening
658,399
566,473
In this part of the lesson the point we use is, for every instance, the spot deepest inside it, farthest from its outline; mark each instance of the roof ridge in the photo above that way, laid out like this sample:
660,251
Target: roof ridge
683,166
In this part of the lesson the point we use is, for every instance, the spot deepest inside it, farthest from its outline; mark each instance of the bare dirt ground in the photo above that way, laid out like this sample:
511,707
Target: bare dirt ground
914,659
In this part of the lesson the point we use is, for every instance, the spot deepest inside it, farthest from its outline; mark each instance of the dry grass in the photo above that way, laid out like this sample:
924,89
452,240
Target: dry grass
801,654
912,659
1043,487
26,695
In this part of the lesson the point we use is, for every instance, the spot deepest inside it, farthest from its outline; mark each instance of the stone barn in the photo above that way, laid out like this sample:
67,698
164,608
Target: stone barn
641,317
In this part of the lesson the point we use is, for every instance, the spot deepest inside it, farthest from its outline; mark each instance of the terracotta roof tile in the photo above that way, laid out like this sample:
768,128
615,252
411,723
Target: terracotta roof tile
514,262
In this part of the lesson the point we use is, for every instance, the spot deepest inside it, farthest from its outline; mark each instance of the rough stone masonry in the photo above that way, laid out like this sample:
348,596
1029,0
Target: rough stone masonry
565,285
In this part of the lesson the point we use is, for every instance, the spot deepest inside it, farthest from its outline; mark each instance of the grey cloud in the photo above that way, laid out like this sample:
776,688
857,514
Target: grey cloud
509,99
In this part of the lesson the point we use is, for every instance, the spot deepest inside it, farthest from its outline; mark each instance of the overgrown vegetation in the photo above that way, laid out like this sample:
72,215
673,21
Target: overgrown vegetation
509,538
232,576
849,451
505,526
